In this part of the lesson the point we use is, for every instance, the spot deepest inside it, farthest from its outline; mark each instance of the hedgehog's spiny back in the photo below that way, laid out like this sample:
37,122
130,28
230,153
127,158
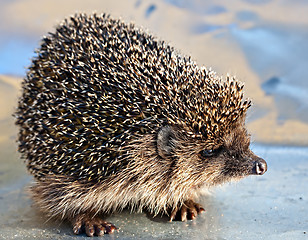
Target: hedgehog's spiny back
96,83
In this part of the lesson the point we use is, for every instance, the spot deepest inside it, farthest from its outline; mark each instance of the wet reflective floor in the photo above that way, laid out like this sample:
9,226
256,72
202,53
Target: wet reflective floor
263,43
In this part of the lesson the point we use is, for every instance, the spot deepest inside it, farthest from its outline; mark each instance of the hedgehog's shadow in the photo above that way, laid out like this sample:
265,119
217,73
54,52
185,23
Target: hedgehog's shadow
162,218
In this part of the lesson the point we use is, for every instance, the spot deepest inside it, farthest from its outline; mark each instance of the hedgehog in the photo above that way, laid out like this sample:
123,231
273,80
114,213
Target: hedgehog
112,118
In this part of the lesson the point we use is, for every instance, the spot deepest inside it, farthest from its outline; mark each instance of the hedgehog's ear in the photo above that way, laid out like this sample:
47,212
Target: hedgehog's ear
165,141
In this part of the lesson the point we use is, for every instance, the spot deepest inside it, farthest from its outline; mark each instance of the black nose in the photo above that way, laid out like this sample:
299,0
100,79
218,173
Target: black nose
260,167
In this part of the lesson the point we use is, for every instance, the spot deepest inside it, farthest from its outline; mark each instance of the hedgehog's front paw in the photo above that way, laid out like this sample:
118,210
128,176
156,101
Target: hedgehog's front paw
91,226
188,211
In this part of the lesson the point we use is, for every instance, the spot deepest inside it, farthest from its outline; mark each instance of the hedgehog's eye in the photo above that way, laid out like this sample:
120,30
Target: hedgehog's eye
207,153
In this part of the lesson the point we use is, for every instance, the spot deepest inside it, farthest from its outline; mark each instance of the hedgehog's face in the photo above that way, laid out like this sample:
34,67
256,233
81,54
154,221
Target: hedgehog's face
234,157
230,159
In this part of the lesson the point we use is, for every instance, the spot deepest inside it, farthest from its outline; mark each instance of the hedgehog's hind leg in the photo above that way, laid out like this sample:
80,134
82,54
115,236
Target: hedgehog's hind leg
91,225
188,211
63,198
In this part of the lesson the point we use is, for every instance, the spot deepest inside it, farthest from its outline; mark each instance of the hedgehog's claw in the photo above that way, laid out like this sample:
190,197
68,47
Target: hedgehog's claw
92,226
188,211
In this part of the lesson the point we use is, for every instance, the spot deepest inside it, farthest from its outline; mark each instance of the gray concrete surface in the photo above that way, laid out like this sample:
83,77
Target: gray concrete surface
272,206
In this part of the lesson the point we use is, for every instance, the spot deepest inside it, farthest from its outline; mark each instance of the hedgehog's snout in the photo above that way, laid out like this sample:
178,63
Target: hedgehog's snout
259,167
